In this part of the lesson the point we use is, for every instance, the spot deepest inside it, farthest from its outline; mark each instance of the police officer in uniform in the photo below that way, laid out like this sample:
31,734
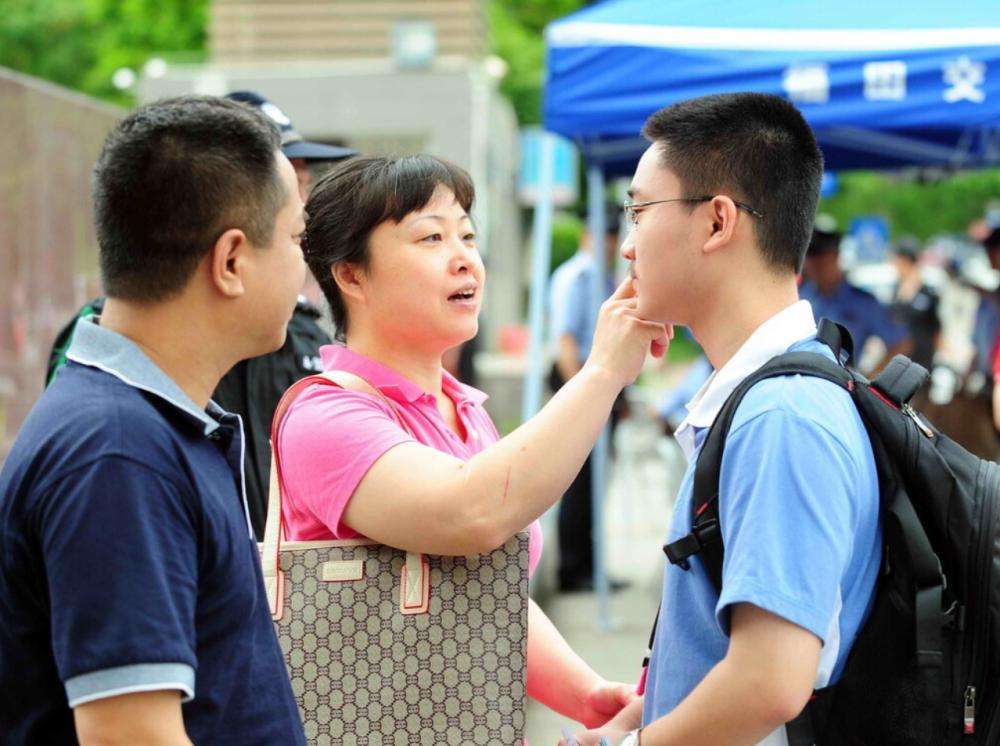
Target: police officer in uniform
833,297
915,303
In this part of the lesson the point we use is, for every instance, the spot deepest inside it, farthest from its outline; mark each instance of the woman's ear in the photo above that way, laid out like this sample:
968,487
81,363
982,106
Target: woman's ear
226,262
350,279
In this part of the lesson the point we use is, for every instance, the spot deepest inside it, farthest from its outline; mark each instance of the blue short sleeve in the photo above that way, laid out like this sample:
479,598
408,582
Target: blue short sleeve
788,490
121,561
570,317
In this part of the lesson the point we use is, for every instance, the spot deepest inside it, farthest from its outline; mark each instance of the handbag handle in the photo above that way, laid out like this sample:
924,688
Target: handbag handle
415,575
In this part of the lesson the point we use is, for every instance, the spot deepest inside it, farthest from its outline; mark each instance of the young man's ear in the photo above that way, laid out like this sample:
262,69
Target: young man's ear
227,262
724,214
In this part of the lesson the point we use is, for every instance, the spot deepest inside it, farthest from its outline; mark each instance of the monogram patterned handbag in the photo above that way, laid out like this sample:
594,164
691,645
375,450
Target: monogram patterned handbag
389,647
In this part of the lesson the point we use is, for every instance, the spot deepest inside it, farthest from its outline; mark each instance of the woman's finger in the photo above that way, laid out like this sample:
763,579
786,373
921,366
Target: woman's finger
625,290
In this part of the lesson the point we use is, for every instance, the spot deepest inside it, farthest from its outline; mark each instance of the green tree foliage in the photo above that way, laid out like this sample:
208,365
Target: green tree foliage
516,28
921,209
567,230
80,43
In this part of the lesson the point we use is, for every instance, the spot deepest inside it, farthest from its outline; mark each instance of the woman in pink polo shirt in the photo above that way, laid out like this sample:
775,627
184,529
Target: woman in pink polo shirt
394,249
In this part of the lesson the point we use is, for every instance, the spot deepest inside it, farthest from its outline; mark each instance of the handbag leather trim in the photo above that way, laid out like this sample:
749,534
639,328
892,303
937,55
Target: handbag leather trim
291,546
343,571
415,588
274,587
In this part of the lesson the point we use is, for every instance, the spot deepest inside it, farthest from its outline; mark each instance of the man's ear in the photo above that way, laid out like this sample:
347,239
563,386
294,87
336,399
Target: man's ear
723,214
228,262
349,278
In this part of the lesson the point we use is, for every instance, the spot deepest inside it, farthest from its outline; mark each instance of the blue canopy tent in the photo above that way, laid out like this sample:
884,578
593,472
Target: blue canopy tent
883,84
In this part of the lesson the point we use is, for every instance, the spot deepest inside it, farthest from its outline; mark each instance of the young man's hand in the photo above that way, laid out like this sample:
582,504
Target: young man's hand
628,719
605,701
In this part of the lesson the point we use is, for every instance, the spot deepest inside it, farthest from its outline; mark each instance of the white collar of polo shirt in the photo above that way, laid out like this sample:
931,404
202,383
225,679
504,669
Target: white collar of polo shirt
772,338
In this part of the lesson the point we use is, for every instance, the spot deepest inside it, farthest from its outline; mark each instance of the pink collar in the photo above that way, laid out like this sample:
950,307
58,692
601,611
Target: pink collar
391,383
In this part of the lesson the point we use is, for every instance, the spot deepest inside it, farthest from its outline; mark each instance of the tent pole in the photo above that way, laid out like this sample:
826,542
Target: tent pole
541,251
599,456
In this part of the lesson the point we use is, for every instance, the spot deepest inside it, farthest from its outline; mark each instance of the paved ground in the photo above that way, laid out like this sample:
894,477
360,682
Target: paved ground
643,480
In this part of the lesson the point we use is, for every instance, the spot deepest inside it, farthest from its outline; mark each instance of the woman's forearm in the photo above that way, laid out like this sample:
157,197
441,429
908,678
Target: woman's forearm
517,479
443,505
557,676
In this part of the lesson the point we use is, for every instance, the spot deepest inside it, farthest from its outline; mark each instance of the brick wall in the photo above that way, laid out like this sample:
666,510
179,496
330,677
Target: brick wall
261,30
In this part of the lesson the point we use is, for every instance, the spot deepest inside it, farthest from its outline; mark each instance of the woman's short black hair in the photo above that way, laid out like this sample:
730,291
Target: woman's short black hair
171,178
356,196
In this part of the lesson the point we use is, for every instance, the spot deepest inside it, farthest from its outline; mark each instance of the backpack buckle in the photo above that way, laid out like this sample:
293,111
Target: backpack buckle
701,535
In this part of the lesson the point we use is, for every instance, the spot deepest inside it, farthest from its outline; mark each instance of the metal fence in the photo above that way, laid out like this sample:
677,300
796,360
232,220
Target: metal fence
48,252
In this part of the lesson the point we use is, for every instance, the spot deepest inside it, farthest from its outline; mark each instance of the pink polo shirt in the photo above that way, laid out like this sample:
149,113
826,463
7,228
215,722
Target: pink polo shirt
331,437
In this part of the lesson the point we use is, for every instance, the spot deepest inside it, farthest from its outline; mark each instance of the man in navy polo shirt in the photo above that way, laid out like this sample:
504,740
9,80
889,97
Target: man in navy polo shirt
131,600
721,211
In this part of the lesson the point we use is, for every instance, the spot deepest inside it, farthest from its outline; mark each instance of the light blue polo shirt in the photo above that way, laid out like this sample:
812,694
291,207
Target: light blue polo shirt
799,512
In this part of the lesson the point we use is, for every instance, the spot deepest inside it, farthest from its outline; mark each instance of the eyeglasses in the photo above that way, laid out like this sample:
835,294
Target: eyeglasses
632,208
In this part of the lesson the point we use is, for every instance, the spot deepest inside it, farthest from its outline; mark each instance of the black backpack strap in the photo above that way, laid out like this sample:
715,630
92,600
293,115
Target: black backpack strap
705,539
898,382
837,338
928,577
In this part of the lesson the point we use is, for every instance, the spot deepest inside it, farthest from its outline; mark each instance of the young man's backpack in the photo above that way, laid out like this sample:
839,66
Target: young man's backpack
925,667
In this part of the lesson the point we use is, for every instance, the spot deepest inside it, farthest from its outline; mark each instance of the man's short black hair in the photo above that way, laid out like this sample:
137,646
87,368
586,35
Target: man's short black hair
823,242
171,178
755,148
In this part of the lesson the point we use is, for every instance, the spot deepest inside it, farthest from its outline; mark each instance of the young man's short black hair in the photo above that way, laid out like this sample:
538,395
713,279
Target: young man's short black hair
755,148
171,178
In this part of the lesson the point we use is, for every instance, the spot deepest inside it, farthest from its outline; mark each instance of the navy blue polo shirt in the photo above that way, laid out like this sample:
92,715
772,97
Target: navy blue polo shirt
127,563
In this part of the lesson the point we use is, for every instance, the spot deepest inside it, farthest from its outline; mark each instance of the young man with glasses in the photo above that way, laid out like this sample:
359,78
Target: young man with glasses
721,210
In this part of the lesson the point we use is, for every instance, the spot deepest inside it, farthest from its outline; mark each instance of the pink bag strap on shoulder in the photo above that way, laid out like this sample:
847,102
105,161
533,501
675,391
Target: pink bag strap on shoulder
415,590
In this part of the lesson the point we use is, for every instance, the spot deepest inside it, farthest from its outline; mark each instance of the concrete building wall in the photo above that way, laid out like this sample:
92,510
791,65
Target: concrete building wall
452,110
48,249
